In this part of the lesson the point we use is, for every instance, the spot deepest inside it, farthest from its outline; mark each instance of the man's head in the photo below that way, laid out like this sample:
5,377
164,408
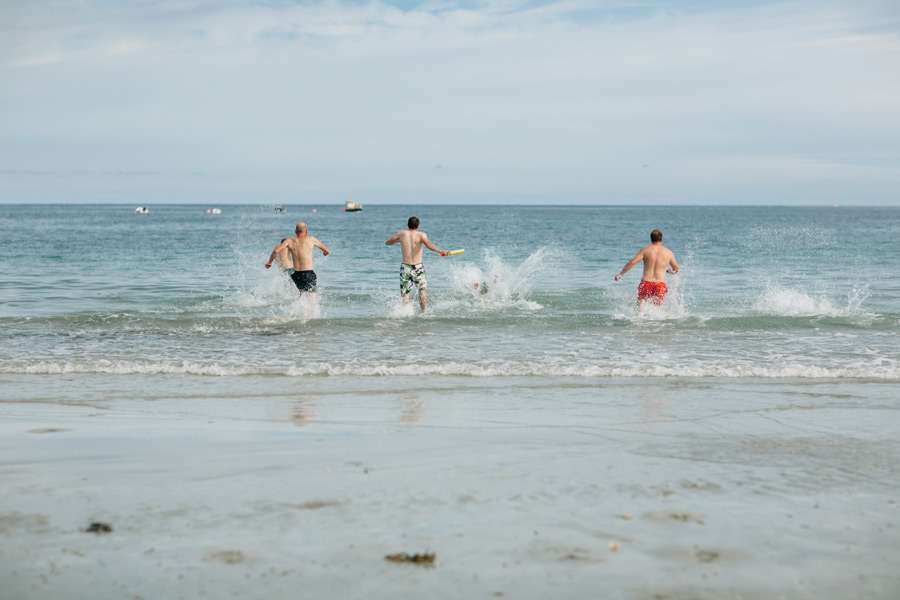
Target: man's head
656,236
300,229
413,223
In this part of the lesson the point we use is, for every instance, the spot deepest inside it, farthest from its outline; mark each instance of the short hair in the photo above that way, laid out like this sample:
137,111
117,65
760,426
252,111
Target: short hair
656,236
300,228
413,223
282,241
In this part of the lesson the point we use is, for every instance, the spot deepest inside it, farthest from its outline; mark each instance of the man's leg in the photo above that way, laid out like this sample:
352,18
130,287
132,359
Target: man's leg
422,299
405,297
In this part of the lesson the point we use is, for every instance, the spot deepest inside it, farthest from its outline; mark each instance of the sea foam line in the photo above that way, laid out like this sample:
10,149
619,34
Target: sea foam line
881,371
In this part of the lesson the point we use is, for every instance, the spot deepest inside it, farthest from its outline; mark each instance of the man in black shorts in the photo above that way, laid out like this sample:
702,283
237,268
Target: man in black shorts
300,249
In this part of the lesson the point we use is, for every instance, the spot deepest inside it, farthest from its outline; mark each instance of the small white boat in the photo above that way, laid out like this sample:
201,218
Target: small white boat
351,206
278,209
142,210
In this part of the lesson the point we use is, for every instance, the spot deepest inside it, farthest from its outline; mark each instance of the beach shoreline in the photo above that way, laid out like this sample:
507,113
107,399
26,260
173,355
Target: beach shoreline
626,488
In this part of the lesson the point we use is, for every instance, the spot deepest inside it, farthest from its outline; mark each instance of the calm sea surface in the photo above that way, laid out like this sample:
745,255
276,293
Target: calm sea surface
764,293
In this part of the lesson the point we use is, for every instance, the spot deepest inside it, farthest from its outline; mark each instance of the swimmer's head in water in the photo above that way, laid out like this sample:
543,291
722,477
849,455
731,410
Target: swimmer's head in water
300,229
656,236
413,223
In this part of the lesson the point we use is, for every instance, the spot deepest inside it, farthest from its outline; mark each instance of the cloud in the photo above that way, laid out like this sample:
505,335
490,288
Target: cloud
544,98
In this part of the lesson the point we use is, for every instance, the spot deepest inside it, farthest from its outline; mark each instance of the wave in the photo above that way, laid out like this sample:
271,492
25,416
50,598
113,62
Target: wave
881,372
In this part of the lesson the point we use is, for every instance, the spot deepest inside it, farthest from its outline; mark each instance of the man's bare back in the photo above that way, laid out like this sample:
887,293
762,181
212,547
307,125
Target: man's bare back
300,249
657,259
411,243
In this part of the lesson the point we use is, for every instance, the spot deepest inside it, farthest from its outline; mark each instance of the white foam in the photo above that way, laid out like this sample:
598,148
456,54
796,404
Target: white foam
788,302
881,370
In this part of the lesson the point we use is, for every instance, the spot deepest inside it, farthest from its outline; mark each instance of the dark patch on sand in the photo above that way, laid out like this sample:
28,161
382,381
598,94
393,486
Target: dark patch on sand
99,528
674,516
228,557
563,553
690,485
315,504
47,430
33,523
424,559
701,556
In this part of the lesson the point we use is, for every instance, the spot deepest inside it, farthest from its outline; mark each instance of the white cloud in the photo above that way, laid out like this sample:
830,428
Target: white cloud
551,99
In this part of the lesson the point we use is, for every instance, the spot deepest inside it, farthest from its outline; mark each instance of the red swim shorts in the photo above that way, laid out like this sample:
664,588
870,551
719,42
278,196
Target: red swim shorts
654,291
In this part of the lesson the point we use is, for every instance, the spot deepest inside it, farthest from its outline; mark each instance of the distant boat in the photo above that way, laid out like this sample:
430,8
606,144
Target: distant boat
142,210
351,206
279,210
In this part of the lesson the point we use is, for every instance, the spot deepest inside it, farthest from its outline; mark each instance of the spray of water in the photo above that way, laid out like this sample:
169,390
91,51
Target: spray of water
796,302
495,283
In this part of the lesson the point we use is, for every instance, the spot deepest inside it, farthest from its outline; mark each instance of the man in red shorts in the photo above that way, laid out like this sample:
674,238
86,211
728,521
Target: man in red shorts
656,258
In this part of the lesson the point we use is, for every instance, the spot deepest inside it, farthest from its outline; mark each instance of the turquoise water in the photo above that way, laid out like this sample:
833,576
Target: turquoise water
765,293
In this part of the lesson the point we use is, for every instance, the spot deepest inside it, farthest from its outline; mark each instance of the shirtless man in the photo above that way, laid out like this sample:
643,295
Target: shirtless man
300,250
283,261
656,258
411,270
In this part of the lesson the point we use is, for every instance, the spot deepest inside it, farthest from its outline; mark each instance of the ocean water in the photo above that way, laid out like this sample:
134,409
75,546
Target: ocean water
764,293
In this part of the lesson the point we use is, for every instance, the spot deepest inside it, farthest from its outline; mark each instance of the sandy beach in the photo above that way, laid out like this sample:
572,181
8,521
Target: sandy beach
262,488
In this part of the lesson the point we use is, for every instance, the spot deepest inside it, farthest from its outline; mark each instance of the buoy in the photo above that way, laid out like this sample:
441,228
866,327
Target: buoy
314,210
208,211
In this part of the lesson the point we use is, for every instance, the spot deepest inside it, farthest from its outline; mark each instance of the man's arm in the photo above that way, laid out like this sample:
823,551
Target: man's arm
637,258
429,245
393,240
321,246
674,264
275,252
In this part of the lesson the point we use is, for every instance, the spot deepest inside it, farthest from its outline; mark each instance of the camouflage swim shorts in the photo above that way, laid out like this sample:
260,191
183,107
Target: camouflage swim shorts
412,274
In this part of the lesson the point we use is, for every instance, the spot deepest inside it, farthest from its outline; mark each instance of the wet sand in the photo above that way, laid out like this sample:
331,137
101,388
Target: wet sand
261,487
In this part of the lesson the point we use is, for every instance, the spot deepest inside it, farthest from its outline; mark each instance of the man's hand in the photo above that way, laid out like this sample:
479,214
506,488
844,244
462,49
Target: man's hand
268,265
325,252
618,277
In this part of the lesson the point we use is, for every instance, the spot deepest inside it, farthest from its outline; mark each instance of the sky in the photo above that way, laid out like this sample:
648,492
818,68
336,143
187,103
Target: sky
450,101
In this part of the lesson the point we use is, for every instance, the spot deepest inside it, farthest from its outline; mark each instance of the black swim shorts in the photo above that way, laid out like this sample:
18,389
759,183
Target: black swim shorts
304,280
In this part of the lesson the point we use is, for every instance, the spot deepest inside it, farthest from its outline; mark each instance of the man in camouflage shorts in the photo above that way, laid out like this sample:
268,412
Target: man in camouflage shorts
412,271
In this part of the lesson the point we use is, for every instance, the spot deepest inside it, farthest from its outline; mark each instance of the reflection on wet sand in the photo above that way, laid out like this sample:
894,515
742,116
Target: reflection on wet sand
303,411
412,408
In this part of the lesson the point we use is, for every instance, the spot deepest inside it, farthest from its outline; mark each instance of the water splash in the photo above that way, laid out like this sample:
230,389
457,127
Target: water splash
792,302
497,284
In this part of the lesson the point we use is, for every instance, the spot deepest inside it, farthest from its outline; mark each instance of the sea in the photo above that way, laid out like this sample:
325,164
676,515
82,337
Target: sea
764,294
